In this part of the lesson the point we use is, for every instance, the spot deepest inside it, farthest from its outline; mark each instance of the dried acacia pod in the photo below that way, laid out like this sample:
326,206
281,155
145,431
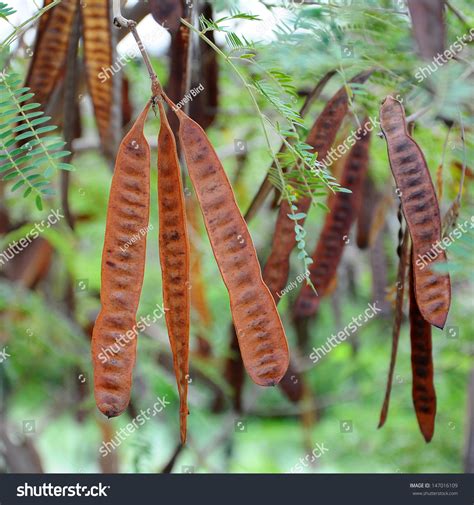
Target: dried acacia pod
98,55
203,108
292,384
179,79
51,46
259,329
428,26
123,263
344,208
421,210
397,323
423,390
167,13
174,258
44,19
320,138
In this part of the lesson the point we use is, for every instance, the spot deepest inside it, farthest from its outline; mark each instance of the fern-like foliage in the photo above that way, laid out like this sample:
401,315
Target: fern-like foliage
6,10
217,25
29,156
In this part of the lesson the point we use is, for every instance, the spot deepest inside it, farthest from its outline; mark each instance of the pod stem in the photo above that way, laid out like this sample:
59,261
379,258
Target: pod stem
122,22
172,105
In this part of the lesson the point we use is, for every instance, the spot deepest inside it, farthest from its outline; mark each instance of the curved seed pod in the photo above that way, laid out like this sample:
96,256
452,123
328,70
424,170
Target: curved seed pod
401,275
167,13
97,29
123,264
174,259
423,391
52,41
428,26
292,384
344,208
420,207
259,329
203,108
43,19
320,138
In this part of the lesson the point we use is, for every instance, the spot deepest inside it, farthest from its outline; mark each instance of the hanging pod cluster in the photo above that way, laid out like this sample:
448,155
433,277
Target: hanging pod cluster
54,35
260,333
430,293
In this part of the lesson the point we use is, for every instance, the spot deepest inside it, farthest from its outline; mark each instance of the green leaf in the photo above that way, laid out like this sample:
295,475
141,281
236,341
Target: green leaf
66,166
39,202
322,206
30,106
6,166
26,135
9,176
297,217
24,98
45,129
18,184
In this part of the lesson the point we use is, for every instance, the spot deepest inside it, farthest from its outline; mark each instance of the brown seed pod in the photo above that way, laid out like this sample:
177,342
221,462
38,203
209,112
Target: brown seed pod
123,263
52,39
259,329
203,108
320,138
423,390
44,19
292,384
420,207
97,27
401,276
344,207
428,26
174,259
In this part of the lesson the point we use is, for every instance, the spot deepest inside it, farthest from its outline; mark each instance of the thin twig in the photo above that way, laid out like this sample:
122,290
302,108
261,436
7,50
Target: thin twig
70,114
413,117
131,25
457,13
463,173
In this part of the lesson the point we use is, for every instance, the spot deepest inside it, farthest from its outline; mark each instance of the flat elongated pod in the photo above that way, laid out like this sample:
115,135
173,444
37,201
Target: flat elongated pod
98,55
428,24
47,65
421,210
174,259
320,138
204,106
423,391
292,384
403,263
167,13
43,19
259,329
343,209
123,263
